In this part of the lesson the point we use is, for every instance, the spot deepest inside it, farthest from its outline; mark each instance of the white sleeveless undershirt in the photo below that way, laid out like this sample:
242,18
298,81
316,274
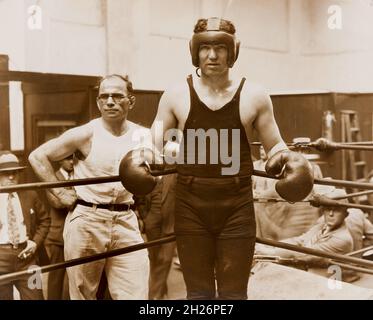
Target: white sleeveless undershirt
104,158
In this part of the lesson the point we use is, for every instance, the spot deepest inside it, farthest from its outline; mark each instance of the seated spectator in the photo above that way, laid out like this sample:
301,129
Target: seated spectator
360,227
361,230
330,235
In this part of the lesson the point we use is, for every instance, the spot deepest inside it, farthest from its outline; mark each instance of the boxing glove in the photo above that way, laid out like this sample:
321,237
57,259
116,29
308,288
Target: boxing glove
295,172
135,172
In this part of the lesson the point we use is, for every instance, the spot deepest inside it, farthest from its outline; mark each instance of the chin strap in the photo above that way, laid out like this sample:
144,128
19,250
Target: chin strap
198,75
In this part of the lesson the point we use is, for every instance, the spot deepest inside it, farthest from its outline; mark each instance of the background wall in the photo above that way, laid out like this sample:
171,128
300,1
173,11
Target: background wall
341,58
286,45
159,33
71,38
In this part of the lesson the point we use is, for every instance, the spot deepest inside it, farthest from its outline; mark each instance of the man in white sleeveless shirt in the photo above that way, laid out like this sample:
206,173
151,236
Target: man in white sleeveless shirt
102,219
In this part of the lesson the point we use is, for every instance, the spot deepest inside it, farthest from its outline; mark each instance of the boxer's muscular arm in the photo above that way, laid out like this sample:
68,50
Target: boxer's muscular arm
296,173
165,118
265,122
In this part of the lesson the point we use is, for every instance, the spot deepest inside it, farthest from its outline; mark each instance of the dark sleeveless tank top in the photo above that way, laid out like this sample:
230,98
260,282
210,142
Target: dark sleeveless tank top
214,143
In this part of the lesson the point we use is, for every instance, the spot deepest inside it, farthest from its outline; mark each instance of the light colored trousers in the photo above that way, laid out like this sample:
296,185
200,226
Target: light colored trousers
90,231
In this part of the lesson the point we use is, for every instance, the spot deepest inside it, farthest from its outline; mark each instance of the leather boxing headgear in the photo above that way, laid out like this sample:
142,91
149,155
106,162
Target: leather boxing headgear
214,34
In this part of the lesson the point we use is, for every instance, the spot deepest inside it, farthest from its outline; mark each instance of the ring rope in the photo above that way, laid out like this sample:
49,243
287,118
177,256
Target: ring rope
313,203
325,182
58,184
74,262
323,144
318,253
353,195
96,180
354,253
169,238
73,182
317,203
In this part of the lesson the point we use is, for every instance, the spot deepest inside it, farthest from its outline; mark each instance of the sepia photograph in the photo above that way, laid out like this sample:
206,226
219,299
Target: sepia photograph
194,152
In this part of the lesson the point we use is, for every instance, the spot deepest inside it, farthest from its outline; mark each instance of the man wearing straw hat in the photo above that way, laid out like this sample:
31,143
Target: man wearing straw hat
329,234
24,224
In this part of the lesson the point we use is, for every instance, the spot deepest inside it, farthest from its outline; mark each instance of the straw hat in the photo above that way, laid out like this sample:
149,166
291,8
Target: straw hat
9,162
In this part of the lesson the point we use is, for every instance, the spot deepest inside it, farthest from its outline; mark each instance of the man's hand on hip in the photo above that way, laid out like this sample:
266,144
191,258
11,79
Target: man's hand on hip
67,197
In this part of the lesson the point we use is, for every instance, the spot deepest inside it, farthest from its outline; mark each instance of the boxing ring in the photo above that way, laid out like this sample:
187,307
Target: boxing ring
344,261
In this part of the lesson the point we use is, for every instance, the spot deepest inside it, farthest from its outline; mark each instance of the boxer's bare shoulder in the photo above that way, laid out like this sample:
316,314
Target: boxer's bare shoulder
255,100
176,97
174,106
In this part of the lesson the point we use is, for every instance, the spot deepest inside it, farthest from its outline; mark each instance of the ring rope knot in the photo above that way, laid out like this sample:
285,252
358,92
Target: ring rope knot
323,144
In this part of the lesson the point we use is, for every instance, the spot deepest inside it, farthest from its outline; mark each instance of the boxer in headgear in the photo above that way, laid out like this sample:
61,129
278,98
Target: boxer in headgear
214,213
215,31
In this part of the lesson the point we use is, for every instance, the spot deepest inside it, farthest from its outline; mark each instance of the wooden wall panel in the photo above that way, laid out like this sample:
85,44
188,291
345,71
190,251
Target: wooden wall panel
4,107
51,106
146,107
300,115
363,105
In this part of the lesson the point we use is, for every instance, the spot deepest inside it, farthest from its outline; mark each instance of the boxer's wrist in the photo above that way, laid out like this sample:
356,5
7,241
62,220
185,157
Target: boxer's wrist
276,148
